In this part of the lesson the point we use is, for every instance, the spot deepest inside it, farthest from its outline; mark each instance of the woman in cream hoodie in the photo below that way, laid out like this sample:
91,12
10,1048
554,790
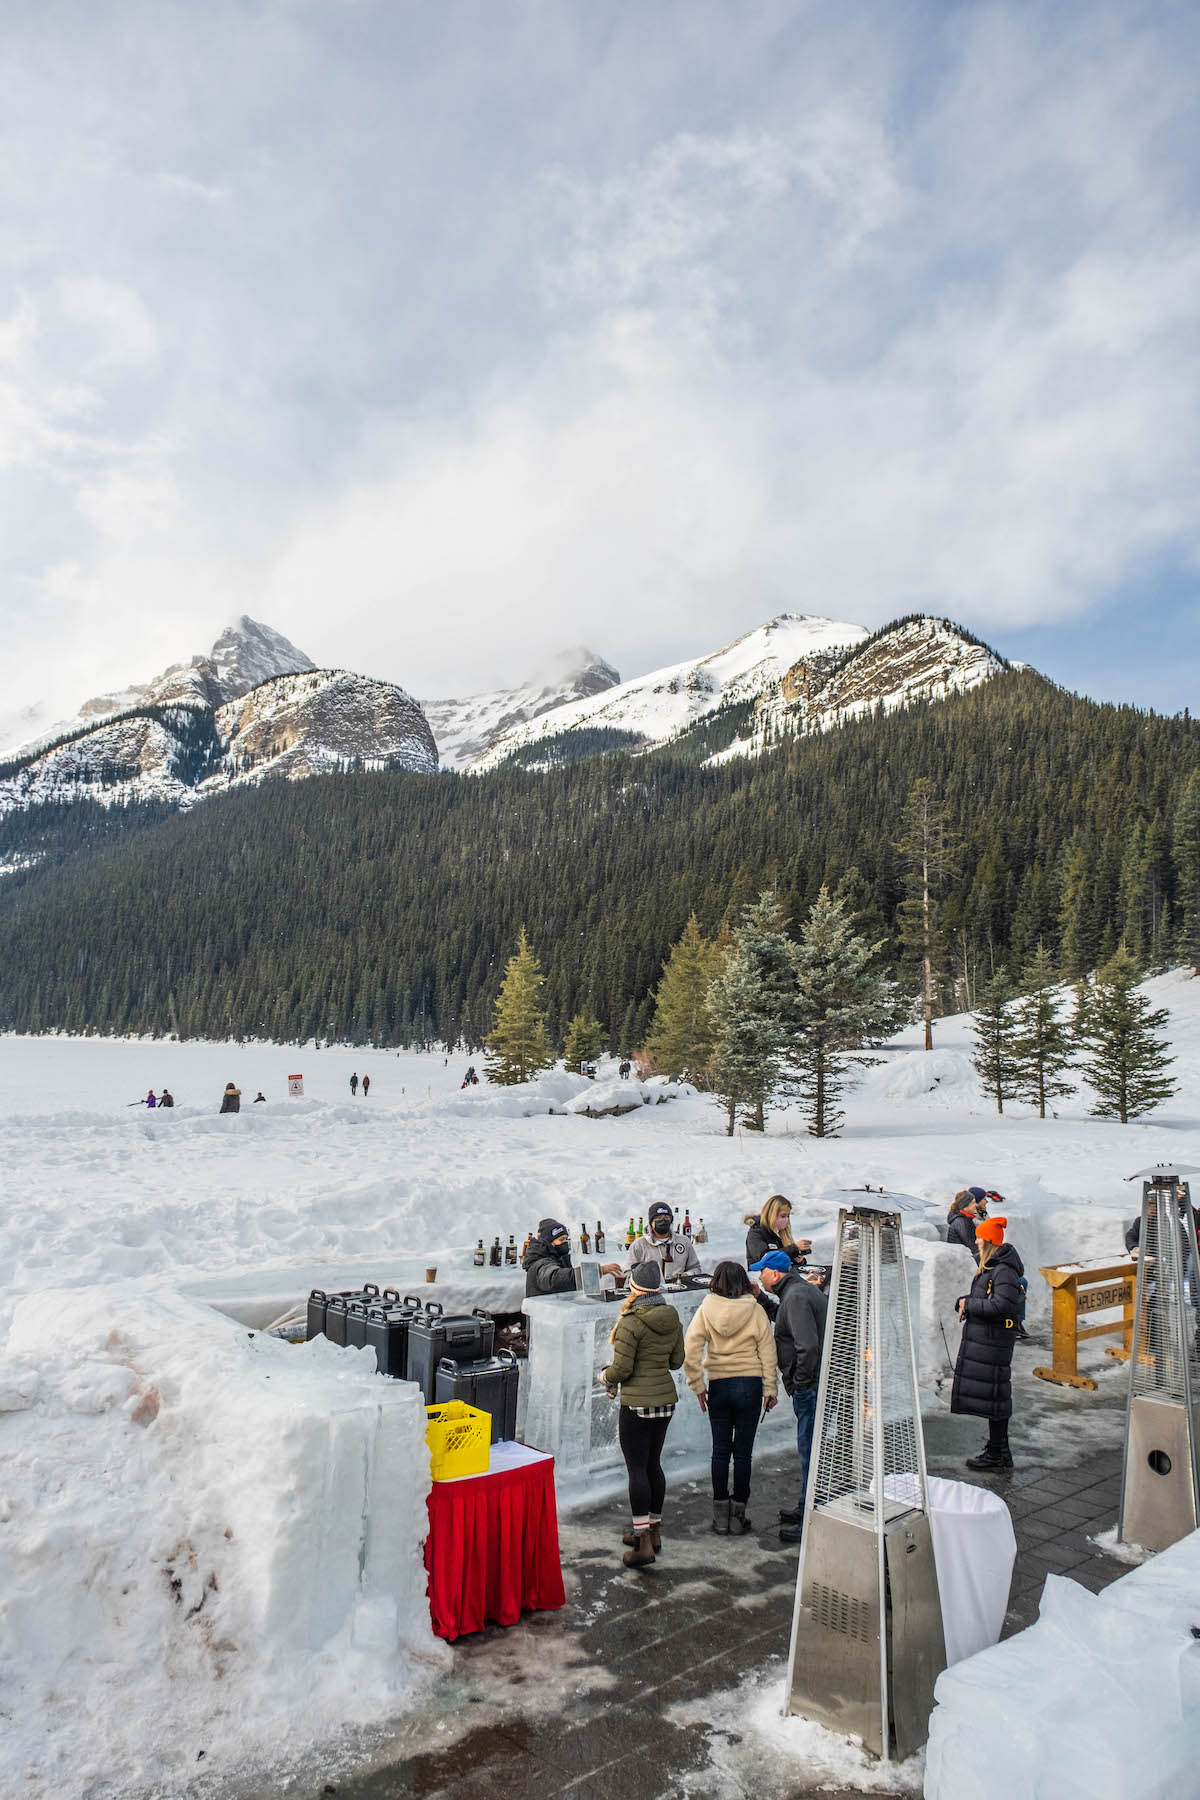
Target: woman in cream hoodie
729,1364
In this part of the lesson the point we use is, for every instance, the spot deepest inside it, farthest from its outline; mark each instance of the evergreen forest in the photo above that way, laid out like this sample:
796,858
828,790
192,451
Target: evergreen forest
383,907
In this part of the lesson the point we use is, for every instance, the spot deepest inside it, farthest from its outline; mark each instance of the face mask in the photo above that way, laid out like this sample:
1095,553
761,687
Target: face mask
661,1227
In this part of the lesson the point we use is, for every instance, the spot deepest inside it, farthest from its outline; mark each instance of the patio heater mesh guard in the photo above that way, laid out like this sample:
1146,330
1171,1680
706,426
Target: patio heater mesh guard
867,1641
1160,1488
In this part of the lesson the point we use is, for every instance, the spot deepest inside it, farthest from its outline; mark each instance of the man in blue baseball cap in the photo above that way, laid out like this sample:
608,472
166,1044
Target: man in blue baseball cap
799,1334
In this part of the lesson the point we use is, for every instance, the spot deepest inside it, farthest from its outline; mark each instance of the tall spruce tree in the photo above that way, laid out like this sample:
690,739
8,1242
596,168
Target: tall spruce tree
930,850
840,999
746,1044
1043,1044
585,1041
763,934
681,1037
1129,1060
995,1031
518,1042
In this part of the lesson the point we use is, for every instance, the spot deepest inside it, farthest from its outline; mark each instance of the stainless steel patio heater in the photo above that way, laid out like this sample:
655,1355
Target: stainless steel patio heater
1160,1484
867,1640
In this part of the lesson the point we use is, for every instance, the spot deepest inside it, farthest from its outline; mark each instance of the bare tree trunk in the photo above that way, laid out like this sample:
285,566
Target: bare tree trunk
927,965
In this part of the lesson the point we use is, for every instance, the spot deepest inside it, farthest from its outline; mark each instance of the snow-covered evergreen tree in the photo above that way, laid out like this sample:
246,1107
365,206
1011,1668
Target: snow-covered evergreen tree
1043,1044
1129,1060
1186,849
746,1043
518,1042
840,1000
995,1030
585,1041
681,1037
763,935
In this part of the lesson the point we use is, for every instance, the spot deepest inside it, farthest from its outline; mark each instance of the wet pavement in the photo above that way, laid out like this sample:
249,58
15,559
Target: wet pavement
610,1698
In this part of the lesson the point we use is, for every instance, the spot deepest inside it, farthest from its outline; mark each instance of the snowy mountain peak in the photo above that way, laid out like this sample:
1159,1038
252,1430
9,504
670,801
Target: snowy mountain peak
466,730
247,653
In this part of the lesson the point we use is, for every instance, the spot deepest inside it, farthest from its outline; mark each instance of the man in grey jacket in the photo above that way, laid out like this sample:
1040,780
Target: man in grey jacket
672,1250
799,1335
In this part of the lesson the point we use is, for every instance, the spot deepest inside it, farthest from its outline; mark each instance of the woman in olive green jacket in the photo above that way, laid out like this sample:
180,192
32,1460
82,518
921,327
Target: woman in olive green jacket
647,1343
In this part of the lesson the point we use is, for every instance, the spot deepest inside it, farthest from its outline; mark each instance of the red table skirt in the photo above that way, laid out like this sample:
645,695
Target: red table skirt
492,1549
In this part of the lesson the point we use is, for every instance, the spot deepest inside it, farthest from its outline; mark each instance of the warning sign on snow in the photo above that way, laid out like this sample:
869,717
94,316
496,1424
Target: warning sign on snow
296,1085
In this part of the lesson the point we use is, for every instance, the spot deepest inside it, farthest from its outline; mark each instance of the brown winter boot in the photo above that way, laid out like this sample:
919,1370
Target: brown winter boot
642,1552
656,1535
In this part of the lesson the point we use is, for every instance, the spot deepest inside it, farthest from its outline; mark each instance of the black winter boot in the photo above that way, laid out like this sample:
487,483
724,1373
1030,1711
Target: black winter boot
721,1512
991,1458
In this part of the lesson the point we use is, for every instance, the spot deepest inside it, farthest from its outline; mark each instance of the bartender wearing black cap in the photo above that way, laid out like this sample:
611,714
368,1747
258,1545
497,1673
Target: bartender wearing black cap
672,1250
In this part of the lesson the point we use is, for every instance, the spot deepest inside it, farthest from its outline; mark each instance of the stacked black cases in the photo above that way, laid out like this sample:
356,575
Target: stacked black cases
489,1383
463,1338
319,1304
387,1330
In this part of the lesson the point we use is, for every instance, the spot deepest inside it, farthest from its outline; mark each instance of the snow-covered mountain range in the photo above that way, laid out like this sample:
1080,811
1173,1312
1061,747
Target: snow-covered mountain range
255,706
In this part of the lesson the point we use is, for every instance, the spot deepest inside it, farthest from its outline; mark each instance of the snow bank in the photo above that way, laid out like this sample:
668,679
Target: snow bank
211,1542
1100,1697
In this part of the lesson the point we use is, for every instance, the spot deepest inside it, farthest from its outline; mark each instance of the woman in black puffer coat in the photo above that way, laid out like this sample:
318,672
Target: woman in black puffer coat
983,1374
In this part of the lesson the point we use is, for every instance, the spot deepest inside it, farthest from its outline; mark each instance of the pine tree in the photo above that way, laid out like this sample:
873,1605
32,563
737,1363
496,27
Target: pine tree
746,1045
1185,848
681,1037
518,1042
840,1000
585,1041
763,934
931,851
1043,1044
995,1034
1129,1060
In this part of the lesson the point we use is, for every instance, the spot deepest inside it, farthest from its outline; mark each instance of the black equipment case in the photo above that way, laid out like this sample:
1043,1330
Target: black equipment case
464,1337
319,1303
489,1383
386,1332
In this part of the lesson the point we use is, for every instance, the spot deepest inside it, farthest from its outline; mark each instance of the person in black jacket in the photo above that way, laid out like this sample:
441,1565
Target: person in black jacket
799,1335
983,1373
547,1261
963,1216
771,1229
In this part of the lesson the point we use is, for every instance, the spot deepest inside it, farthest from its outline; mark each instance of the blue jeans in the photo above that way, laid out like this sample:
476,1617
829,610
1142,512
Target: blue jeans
804,1405
734,1409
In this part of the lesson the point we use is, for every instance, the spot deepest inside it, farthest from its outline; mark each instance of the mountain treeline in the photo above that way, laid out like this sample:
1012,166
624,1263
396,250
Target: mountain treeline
383,907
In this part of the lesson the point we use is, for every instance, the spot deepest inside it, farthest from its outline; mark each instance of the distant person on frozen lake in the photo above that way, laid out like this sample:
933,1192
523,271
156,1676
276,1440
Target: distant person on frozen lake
166,1098
354,1083
259,1096
231,1099
150,1100
470,1079
366,1085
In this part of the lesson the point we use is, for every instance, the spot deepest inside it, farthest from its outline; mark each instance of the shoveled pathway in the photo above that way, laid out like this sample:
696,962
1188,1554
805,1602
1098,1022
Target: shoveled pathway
587,1702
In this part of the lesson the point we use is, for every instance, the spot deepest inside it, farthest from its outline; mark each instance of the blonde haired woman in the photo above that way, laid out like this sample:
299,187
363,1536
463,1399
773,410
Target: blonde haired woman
990,1315
729,1364
647,1343
771,1229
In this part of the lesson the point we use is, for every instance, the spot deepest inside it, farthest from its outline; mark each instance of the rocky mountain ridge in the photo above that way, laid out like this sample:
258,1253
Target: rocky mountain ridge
466,730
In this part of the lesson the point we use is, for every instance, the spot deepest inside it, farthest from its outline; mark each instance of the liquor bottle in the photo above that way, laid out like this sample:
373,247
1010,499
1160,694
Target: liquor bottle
585,1242
701,1235
510,1252
496,1255
631,1233
599,1240
526,1244
687,1223
641,1230
480,1255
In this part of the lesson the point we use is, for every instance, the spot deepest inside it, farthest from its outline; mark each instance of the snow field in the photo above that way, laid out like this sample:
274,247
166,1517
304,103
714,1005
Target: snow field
139,1426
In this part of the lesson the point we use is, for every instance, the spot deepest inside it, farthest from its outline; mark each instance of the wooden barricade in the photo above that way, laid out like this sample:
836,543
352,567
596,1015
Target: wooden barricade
1080,1289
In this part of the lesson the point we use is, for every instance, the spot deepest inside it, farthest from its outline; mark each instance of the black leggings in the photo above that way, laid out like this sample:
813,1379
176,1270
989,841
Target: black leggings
641,1443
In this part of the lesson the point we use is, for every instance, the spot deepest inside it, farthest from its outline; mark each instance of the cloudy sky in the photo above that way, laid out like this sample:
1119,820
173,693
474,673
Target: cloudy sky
441,334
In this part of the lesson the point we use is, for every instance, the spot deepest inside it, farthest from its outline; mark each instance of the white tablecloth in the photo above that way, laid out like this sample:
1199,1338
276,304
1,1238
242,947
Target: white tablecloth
974,1547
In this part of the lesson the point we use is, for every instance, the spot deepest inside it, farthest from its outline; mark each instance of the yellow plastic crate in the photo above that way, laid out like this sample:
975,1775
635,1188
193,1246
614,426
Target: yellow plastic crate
459,1438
